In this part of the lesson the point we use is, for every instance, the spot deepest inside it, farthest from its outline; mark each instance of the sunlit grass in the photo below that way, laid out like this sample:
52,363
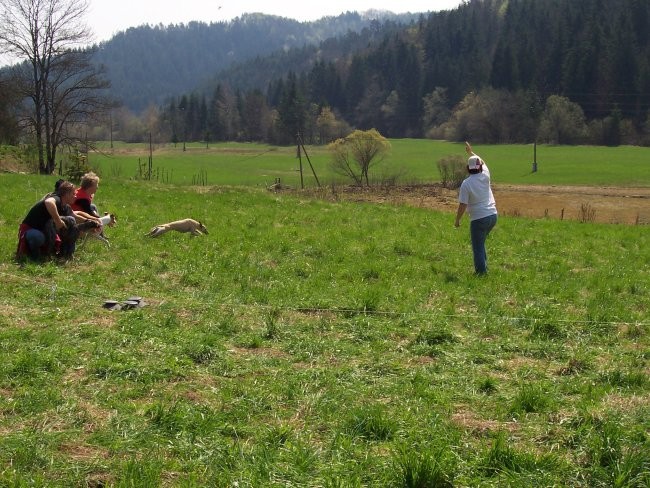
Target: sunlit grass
312,343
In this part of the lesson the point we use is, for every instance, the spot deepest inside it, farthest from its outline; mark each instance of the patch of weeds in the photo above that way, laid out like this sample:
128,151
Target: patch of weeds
487,385
428,468
448,277
600,325
422,387
624,379
271,331
633,470
201,353
25,451
31,364
369,300
635,331
480,359
37,399
346,481
574,366
372,423
170,321
278,435
501,457
302,457
140,472
435,337
252,341
604,445
547,330
531,398
228,325
402,250
427,342
180,417
370,274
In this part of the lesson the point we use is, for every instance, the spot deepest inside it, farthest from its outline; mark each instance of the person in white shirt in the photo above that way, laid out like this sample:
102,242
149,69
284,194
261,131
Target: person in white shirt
475,197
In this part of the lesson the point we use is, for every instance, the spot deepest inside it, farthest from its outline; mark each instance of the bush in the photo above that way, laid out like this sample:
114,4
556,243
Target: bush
452,171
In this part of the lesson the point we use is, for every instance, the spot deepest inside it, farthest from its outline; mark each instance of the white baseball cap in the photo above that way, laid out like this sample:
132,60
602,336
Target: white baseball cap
474,162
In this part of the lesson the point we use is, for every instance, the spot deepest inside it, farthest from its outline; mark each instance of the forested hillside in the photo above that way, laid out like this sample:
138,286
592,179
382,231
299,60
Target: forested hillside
148,64
561,71
495,71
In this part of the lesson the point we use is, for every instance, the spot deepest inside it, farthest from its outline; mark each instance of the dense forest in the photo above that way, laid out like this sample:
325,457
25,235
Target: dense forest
497,71
558,71
147,64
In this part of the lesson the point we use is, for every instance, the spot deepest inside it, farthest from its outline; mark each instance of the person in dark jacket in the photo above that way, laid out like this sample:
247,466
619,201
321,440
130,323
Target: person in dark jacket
50,227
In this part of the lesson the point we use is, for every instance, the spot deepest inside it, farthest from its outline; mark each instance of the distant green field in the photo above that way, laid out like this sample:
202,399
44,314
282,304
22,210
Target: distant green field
413,160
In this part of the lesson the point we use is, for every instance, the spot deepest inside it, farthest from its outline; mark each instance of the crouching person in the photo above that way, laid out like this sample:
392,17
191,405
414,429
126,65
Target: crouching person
50,229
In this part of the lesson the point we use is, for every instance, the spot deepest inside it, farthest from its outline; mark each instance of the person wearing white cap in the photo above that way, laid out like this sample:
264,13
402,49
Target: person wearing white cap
475,197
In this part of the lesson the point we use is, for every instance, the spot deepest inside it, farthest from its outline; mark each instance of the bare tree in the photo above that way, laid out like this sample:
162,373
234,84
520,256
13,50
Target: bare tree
56,74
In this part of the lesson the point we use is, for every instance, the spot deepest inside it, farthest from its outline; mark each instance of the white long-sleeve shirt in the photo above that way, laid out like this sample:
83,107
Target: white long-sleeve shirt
476,193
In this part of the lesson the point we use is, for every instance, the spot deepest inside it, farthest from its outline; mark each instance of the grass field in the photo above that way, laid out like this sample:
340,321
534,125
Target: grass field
413,160
323,344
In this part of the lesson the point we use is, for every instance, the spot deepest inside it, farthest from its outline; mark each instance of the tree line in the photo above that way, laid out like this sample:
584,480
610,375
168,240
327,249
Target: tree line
518,71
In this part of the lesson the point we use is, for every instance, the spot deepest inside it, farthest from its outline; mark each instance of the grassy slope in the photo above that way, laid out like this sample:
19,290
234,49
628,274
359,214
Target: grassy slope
255,361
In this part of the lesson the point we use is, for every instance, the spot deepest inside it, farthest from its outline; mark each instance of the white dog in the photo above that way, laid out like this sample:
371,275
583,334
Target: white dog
98,233
194,227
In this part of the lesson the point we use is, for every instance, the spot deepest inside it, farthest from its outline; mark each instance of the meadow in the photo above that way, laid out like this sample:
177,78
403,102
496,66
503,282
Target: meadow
320,343
411,160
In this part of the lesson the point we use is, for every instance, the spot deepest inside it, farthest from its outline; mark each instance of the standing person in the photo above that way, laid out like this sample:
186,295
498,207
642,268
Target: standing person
475,197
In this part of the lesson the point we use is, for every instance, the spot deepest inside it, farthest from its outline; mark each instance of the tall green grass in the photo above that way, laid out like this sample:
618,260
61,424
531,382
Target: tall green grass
312,343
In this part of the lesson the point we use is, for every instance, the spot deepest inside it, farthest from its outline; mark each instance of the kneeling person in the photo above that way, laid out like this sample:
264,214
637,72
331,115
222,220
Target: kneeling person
50,228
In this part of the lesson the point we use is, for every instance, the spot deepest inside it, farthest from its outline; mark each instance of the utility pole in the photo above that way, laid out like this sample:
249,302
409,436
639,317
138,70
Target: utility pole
302,145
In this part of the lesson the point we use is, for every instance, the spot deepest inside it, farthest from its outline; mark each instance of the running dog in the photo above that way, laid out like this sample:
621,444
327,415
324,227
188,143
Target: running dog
194,227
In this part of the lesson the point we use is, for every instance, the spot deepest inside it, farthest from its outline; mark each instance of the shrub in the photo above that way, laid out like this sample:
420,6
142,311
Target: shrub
452,171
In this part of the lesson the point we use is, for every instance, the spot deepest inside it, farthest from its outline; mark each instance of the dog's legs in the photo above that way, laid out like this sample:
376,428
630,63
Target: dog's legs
157,231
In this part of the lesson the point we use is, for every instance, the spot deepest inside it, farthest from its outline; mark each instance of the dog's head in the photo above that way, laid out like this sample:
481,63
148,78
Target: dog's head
113,218
203,229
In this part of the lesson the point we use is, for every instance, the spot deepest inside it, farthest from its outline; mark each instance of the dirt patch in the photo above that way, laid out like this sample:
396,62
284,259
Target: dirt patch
472,422
582,203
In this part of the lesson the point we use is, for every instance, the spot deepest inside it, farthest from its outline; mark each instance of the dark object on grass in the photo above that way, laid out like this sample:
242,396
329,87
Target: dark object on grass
130,303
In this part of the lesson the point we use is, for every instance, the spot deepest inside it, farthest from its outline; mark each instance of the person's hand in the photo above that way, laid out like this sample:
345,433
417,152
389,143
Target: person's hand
60,225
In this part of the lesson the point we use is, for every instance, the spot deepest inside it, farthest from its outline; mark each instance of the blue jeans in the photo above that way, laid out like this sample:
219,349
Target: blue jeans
479,230
35,240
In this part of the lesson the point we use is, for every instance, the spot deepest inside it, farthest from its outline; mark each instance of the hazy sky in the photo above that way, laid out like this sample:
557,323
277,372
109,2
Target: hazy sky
107,17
